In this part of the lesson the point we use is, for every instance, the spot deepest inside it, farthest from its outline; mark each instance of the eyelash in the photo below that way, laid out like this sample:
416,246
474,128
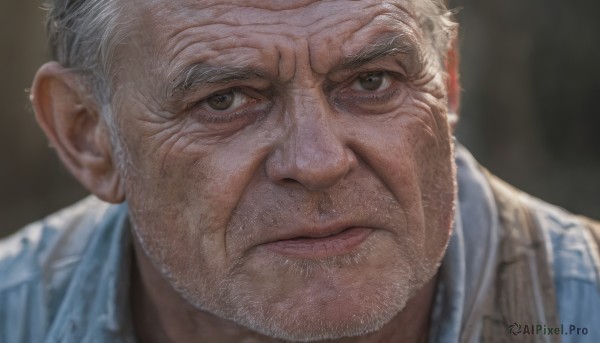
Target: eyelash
251,109
221,118
389,93
348,97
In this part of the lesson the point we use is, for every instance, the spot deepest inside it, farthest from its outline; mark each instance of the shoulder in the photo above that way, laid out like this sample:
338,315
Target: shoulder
49,243
574,254
569,240
574,250
552,261
37,262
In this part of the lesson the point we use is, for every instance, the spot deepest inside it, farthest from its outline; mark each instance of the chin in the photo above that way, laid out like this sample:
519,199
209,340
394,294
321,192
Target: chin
356,310
346,298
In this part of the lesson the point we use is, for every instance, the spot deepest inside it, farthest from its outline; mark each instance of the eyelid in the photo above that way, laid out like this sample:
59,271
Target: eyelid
350,77
249,92
346,85
393,64
373,102
256,104
236,100
199,92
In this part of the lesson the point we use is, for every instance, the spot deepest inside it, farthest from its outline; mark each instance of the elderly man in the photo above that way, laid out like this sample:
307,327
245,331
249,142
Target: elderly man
268,171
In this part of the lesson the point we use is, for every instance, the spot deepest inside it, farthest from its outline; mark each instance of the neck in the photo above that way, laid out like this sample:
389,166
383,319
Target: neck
160,314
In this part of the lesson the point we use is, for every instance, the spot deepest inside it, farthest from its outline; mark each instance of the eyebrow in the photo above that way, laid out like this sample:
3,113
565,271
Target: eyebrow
203,73
386,45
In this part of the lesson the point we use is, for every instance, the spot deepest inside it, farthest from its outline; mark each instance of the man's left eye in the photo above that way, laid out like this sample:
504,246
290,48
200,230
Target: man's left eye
229,100
372,81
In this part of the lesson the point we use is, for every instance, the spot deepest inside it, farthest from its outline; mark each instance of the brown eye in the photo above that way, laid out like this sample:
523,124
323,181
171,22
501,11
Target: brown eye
221,101
371,81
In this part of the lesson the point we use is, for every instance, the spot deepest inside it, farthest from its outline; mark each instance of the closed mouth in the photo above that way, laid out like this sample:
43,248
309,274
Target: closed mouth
340,242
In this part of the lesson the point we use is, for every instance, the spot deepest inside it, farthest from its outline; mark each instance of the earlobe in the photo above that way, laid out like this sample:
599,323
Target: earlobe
67,112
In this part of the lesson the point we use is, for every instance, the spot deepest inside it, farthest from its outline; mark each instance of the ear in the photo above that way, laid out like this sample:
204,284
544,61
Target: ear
70,117
453,83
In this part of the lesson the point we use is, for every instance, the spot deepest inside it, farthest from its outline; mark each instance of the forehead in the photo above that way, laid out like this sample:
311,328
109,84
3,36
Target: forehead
276,34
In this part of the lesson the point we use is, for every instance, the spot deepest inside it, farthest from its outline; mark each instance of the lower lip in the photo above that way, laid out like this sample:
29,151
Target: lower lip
342,243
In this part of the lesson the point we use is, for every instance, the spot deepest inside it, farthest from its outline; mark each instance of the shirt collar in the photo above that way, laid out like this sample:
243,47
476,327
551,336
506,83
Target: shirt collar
466,271
97,307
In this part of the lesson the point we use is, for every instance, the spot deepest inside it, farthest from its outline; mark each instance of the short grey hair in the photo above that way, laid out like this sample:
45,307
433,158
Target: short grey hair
436,21
83,35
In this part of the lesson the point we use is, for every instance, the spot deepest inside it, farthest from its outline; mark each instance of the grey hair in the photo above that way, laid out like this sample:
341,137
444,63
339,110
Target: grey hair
436,21
83,35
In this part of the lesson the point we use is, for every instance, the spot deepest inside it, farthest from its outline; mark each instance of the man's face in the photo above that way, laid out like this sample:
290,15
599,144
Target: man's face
288,163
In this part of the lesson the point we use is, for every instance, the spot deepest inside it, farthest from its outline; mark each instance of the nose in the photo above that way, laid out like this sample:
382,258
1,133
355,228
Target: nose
311,152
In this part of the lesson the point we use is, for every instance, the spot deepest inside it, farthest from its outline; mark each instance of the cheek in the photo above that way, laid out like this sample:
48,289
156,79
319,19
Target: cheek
182,201
434,165
412,154
408,152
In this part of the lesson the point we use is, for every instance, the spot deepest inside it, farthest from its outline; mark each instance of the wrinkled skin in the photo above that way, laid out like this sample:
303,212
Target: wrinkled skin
304,144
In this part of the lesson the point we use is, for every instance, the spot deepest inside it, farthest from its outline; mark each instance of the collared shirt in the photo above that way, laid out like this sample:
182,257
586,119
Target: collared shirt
66,278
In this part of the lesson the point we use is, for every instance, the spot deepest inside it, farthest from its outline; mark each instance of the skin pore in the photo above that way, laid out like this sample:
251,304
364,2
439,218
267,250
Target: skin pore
164,316
305,145
240,125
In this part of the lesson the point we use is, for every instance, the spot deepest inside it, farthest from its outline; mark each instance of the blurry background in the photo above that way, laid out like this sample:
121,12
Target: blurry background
531,99
32,181
530,106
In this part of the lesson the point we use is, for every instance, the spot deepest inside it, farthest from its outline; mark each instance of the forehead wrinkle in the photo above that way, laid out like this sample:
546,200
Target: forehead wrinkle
270,23
227,16
286,63
357,32
233,59
190,35
270,13
220,36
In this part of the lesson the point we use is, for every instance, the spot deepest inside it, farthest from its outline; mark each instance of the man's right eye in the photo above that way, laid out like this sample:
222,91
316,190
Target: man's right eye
230,105
229,100
221,101
372,82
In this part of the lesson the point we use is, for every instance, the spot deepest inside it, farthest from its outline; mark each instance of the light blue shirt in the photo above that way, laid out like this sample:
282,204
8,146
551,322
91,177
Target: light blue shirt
66,278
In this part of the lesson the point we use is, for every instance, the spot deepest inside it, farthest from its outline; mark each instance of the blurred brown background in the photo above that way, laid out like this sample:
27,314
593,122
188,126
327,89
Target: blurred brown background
32,181
530,108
